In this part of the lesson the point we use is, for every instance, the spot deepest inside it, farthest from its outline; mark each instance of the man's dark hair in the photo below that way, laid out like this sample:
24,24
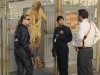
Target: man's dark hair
83,13
59,17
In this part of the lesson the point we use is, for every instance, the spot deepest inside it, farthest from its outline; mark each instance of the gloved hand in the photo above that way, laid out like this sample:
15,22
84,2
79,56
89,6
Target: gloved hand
53,51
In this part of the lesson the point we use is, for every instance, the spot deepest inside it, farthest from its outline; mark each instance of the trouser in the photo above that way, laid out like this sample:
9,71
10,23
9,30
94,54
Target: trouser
84,61
62,62
23,60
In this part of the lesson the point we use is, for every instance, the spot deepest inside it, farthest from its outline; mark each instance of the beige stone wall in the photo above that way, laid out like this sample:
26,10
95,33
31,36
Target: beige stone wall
84,2
16,8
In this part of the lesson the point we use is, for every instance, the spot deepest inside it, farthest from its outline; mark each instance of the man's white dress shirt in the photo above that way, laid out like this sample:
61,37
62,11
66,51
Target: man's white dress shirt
92,37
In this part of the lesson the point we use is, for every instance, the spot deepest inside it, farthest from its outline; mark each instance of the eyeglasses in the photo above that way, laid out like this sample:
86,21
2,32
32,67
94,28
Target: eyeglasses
28,19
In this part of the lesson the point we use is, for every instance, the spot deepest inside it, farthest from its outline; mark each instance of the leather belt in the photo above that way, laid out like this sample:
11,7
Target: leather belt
83,47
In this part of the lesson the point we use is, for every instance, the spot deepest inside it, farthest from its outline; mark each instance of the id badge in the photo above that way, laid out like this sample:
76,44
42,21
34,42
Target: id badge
55,40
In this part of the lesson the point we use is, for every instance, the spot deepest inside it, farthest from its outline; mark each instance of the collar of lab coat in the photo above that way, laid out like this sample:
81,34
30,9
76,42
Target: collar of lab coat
84,20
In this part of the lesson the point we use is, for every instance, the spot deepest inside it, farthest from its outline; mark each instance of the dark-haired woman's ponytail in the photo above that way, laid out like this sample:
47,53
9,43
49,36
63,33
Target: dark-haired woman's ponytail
21,19
19,22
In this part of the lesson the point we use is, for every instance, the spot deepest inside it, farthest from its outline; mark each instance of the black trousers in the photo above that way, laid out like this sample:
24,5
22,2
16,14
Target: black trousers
62,61
84,61
23,61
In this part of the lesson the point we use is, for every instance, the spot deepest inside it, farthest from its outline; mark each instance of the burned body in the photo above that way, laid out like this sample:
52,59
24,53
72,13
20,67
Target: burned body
36,15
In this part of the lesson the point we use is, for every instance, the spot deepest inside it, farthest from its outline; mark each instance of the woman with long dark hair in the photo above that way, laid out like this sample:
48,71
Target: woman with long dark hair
22,51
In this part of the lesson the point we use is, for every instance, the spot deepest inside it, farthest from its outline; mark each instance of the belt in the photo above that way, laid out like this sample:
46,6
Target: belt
83,47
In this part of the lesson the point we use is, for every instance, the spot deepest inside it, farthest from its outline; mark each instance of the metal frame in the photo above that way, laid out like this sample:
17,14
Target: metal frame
58,10
4,39
98,47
